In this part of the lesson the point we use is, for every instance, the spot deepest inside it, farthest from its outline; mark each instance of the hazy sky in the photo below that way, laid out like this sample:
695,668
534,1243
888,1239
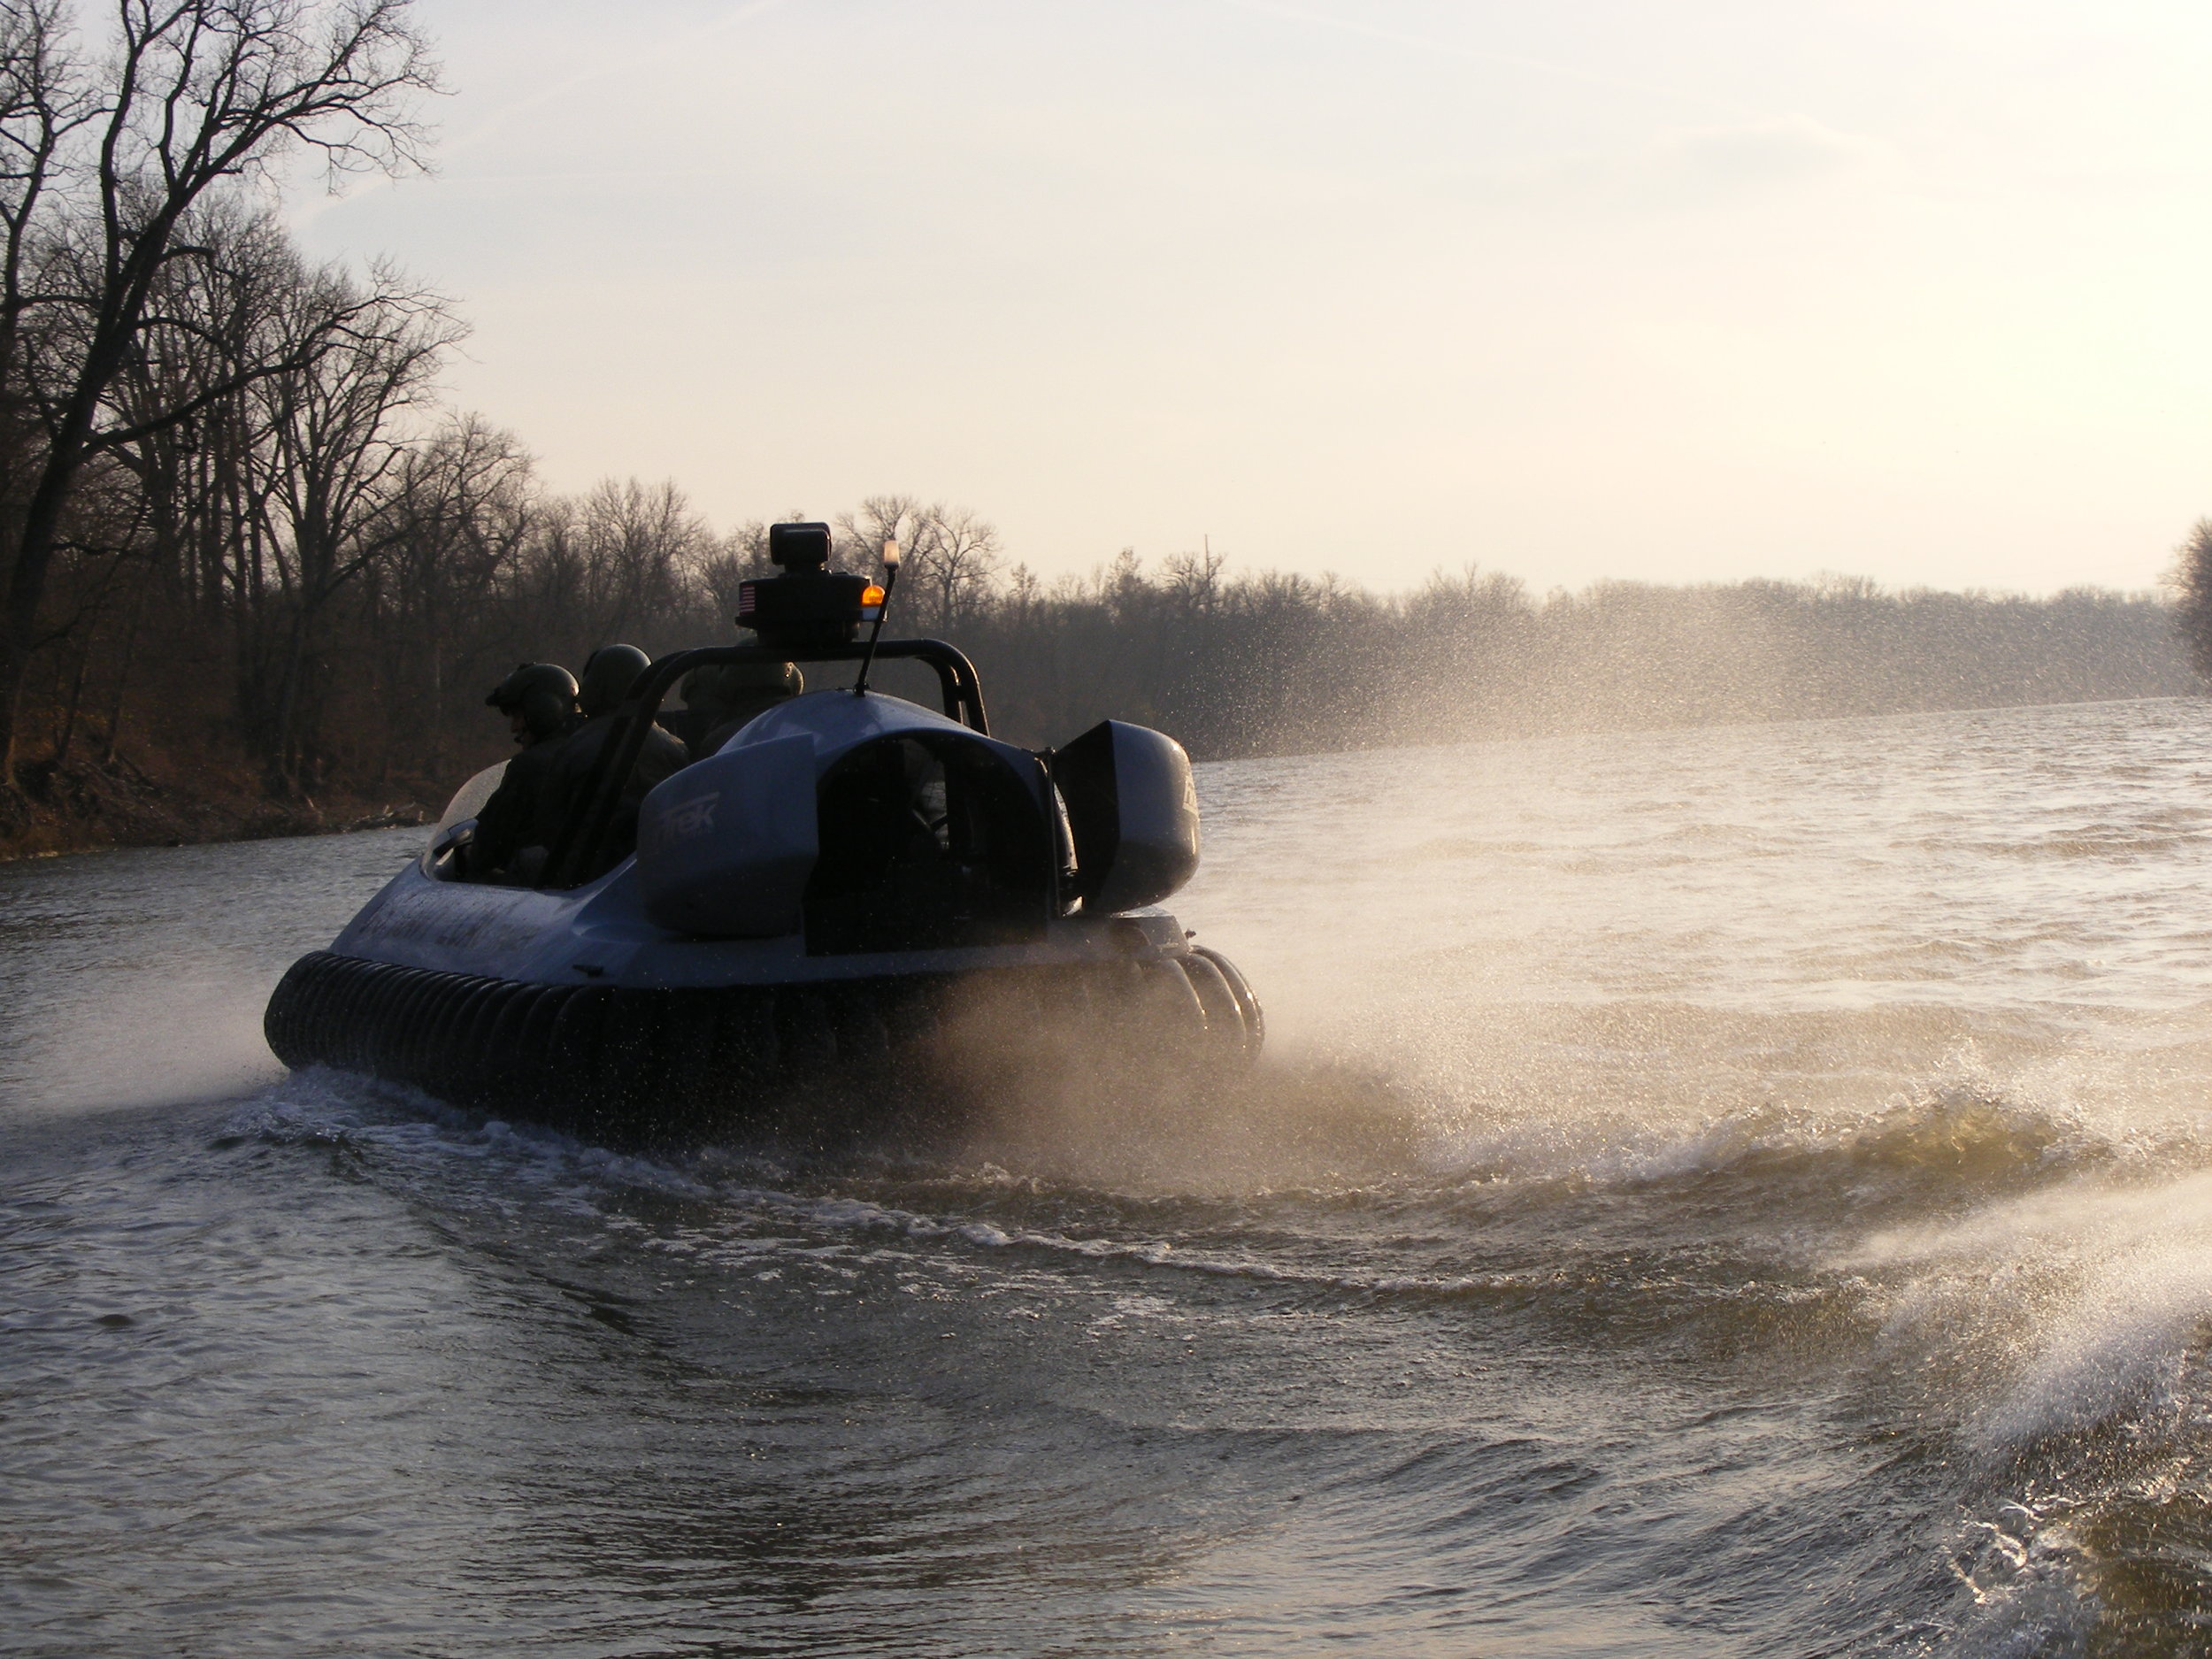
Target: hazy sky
1595,288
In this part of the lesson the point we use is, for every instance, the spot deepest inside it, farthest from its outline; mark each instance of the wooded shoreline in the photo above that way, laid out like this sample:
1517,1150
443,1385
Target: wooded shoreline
1269,664
87,807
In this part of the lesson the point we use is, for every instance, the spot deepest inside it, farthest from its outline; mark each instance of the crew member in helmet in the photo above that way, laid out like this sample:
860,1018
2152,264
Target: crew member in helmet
720,701
518,824
608,674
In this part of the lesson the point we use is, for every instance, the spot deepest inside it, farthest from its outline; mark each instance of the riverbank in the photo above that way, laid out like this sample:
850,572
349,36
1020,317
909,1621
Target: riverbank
84,806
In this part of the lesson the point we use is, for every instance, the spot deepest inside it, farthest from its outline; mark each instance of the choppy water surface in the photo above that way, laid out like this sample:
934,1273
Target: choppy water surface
1727,1192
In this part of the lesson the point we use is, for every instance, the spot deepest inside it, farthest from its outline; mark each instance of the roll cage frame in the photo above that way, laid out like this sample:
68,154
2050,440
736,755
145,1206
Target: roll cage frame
575,856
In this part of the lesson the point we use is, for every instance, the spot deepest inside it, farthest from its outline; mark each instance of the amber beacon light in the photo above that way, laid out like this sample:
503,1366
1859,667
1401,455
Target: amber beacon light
875,600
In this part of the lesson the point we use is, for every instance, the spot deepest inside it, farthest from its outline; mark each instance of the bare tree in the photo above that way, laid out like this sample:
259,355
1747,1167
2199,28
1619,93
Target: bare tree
208,314
193,93
878,519
2190,584
952,554
641,547
1195,578
453,526
956,556
337,440
43,101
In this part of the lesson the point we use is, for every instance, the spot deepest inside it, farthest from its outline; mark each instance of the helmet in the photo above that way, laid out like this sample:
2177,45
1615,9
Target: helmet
728,687
609,673
543,694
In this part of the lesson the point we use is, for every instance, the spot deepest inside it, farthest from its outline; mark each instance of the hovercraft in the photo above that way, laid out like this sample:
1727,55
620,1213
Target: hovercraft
795,930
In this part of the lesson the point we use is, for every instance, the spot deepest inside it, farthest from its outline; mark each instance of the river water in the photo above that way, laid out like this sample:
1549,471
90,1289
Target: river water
1737,1191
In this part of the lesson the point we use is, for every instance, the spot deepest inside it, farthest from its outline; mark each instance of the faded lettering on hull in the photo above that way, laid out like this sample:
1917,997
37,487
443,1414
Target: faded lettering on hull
451,918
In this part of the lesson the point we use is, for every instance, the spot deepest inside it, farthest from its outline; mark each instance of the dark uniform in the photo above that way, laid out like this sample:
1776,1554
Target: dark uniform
518,822
720,703
608,674
572,761
520,814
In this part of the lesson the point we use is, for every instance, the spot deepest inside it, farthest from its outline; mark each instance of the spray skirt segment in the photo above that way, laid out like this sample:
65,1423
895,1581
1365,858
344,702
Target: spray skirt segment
813,920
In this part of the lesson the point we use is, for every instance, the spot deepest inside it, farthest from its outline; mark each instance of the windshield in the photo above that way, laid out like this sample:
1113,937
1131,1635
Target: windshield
470,799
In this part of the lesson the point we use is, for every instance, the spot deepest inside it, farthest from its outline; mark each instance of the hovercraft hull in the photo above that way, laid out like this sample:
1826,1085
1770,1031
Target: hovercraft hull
812,1061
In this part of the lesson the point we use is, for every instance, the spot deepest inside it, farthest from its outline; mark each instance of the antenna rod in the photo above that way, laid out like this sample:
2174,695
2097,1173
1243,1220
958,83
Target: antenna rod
883,606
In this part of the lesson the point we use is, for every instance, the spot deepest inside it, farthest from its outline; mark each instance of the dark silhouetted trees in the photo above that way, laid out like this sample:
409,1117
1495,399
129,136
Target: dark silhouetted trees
2191,582
107,156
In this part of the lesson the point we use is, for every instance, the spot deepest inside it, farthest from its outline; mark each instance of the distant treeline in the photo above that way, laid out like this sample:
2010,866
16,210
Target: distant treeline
364,672
245,547
1271,663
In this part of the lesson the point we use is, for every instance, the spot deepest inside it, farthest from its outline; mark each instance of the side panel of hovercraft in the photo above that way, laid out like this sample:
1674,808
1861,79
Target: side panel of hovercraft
725,848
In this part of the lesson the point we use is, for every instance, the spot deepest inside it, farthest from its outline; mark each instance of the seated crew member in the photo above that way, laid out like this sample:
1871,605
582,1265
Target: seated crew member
720,701
608,674
518,822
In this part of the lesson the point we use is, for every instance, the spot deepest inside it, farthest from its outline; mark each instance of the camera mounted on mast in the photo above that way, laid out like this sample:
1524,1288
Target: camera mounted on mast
810,607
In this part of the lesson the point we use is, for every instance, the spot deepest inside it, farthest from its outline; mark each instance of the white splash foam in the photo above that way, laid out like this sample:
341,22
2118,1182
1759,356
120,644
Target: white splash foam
2117,1282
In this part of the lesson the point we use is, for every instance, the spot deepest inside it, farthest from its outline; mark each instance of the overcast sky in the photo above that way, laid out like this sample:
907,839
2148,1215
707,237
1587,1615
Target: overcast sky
1678,291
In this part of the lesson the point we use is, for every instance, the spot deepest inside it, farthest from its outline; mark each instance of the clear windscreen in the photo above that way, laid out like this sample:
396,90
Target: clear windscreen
469,799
